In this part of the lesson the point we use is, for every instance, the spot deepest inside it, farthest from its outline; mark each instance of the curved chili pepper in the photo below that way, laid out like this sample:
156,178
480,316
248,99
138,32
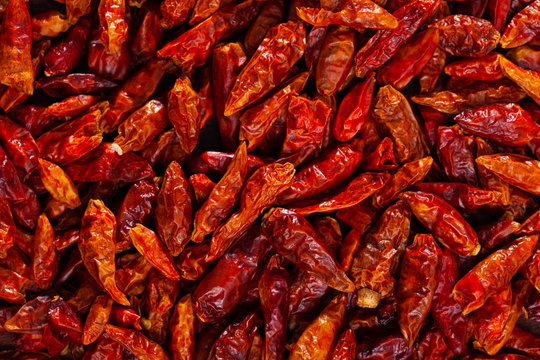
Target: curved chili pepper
250,85
182,328
460,196
376,261
444,222
522,28
58,184
222,198
113,26
161,294
303,247
235,341
97,247
493,273
183,110
98,317
259,193
174,210
137,343
417,285
528,80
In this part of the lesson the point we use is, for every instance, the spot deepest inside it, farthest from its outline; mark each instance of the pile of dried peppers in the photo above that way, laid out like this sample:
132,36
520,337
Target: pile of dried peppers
303,179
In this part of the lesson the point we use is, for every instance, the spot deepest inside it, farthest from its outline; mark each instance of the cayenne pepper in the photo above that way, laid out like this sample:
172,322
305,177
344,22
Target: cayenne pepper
288,179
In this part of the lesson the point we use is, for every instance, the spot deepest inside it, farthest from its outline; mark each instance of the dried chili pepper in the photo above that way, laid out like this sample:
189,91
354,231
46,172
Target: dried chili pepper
182,327
522,28
58,183
136,343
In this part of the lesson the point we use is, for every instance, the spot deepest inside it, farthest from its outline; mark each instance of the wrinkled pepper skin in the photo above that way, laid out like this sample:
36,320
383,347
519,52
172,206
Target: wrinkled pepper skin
97,246
45,258
182,346
136,343
260,192
416,289
266,68
445,222
522,28
303,247
231,276
493,273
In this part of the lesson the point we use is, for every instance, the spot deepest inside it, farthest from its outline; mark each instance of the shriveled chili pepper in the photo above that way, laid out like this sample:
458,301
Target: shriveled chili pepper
173,13
104,349
74,84
377,258
137,343
390,345
493,273
113,26
97,247
460,196
222,198
293,247
149,33
444,222
174,211
517,170
149,245
49,24
393,114
485,68
417,284
356,191
407,175
385,43
231,275
32,316
433,346
235,341
76,9
73,106
430,73
250,86
98,317
182,345
183,104
522,28
203,9
525,56
260,192
16,68
19,145
126,317
112,66
270,15
526,79
345,348
104,164
62,57
191,49
45,260
11,188
456,152
316,342
202,187
524,341
393,71
58,184
140,128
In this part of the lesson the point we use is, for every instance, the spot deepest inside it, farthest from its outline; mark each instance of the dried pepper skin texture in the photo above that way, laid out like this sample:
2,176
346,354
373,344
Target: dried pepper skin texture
136,343
141,127
175,13
391,346
269,16
266,69
468,36
73,84
393,115
493,273
385,43
104,164
359,189
174,210
61,58
16,68
222,289
76,9
260,192
526,79
330,169
416,289
407,175
523,27
507,124
316,342
134,93
58,184
445,310
45,259
306,124
531,269
49,24
193,48
345,348
408,62
236,339
517,170
357,14
98,316
376,260
524,341
113,25
11,187
274,295
478,94
183,104
353,109
444,222
257,121
227,62
97,246
460,196
182,346
19,145
335,60
113,67
456,152
485,68
222,198
203,9
303,247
